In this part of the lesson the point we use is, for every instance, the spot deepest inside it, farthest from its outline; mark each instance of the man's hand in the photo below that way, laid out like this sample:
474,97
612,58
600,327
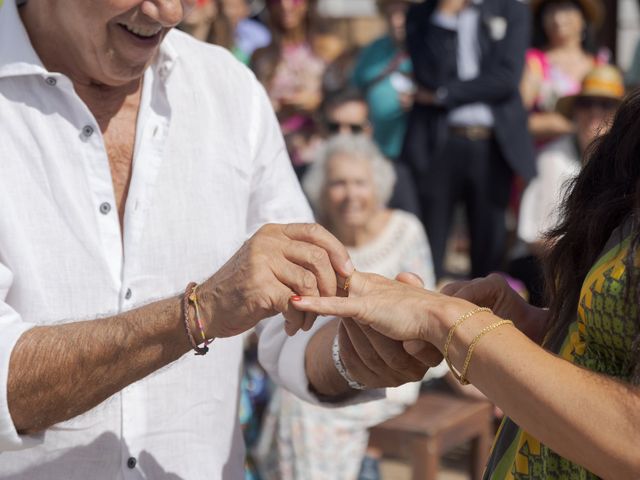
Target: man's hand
494,292
378,361
424,96
258,281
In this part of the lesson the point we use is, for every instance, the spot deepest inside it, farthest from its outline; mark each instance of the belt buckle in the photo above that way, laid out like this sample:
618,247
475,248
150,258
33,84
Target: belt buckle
476,133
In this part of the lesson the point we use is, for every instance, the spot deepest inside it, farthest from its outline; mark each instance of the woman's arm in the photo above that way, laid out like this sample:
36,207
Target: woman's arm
591,419
549,125
542,125
495,293
586,417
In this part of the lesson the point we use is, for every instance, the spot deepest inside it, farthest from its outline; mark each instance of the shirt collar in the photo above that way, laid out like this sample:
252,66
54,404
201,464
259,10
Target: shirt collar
17,56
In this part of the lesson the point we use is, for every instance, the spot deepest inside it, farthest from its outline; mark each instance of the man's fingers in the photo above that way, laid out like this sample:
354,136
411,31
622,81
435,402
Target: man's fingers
316,260
309,320
452,288
381,354
423,351
279,296
294,321
319,236
299,280
354,364
480,291
363,347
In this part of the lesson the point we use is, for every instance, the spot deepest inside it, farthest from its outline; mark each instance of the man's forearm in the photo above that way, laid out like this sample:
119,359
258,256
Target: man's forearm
59,372
321,372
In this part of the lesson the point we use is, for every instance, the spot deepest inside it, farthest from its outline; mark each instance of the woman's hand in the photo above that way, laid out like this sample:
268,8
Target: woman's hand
396,310
375,360
494,292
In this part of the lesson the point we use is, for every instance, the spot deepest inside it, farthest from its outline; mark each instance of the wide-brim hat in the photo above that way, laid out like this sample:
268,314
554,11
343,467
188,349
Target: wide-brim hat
604,81
593,9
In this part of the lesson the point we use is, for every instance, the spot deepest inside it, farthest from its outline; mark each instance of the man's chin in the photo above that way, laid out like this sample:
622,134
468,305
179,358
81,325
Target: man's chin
123,73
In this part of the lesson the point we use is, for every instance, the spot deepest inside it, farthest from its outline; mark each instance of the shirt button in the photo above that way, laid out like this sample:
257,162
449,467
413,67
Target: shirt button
87,130
131,462
105,208
51,81
127,295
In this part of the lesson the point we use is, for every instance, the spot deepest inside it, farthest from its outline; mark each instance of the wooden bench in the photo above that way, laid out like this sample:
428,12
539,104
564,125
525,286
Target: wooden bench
431,427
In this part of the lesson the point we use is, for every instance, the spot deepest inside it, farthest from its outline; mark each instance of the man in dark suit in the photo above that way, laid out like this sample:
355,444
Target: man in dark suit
467,133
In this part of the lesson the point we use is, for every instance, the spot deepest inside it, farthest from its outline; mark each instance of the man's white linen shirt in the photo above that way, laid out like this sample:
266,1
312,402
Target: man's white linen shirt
210,168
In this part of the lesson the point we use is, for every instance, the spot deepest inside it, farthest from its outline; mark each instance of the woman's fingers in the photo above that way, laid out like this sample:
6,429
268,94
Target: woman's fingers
410,279
328,306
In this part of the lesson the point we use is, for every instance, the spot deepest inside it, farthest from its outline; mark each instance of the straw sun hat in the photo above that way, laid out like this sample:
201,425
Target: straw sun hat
604,81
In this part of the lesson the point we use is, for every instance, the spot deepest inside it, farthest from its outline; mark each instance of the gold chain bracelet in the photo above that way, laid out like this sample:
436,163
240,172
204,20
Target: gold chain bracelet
467,361
452,330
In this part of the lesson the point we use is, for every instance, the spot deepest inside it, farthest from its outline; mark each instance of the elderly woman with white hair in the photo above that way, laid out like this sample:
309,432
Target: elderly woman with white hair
349,185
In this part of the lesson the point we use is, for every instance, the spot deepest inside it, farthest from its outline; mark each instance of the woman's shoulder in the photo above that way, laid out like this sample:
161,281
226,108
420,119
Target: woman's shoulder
407,221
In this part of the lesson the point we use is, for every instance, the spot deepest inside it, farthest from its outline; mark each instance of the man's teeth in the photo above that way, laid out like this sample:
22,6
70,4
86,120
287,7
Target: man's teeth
142,31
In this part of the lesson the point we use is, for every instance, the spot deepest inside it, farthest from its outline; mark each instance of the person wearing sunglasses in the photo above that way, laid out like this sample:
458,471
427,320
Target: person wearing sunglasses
346,112
590,112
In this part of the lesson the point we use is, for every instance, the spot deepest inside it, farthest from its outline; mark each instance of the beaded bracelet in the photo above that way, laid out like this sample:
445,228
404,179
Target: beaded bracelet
191,295
337,361
459,321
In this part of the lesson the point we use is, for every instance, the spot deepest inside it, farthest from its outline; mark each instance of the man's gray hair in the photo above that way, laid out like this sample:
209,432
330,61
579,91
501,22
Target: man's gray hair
355,146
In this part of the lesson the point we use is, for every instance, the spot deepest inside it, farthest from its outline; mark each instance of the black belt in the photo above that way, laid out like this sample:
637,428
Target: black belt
472,132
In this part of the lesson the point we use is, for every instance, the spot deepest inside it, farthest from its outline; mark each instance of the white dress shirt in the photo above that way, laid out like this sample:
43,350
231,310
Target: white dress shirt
209,168
467,24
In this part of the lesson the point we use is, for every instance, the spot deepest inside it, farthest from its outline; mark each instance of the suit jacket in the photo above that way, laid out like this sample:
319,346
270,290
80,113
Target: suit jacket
503,35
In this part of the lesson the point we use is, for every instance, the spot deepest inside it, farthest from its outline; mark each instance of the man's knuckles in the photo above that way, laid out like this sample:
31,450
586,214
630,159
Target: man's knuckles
308,283
318,258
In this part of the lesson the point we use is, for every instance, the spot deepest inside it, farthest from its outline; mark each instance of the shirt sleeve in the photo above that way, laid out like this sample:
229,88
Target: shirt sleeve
11,328
539,208
277,198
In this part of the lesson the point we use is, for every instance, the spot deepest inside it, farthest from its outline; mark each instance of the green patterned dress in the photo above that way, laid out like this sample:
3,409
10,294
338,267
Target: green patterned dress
600,340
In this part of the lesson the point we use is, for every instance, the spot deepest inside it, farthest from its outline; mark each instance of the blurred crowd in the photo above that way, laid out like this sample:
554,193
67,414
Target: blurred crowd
465,116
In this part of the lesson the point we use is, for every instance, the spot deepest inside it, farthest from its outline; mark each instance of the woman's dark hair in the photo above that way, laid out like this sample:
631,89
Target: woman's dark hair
603,197
539,36
265,60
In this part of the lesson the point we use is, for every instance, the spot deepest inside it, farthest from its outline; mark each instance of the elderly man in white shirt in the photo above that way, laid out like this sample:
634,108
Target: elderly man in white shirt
134,160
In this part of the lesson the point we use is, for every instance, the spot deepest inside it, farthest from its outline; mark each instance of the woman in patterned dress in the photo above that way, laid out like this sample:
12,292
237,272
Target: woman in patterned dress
567,377
559,61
